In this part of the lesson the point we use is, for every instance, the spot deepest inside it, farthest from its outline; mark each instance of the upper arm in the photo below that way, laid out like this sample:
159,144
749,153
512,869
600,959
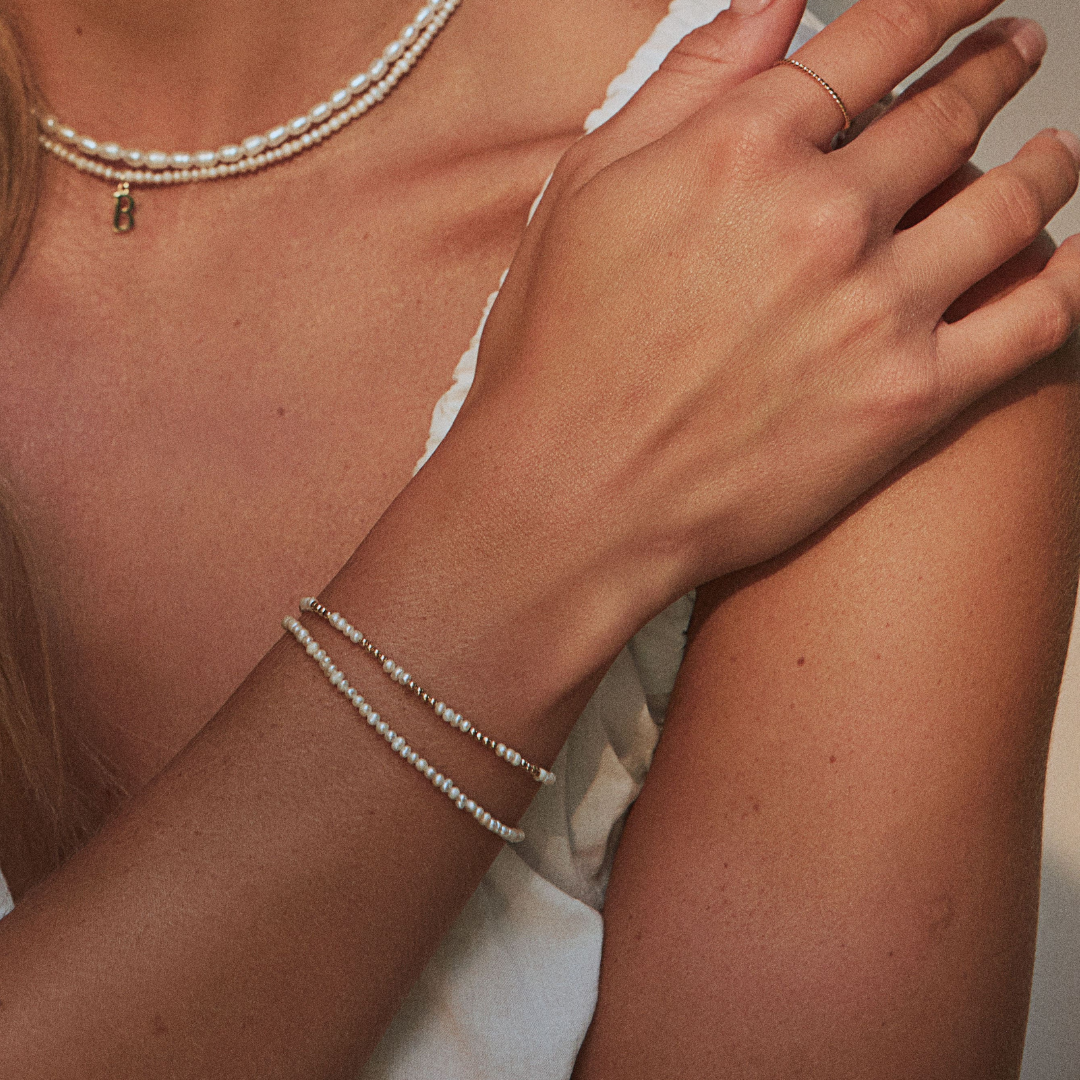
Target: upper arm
833,868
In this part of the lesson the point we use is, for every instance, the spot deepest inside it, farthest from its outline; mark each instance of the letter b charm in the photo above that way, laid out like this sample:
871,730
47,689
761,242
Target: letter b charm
124,214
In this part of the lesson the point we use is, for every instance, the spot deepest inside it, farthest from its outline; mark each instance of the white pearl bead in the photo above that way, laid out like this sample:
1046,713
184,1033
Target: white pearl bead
180,161
398,743
437,779
299,125
382,727
377,69
470,806
421,765
66,133
393,51
388,666
276,136
389,734
408,34
440,708
396,673
413,757
446,785
429,772
313,648
157,160
478,813
206,159
366,709
374,719
254,145
501,749
464,726
320,112
359,82
133,157
454,792
486,819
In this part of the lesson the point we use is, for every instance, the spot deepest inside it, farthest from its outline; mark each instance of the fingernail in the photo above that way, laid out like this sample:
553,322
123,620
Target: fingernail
1070,142
1029,39
749,7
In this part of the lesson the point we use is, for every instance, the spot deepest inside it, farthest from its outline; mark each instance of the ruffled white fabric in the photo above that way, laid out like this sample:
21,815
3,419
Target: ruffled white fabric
511,991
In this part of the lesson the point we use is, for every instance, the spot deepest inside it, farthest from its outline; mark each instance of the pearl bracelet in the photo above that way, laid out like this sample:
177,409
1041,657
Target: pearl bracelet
397,742
442,710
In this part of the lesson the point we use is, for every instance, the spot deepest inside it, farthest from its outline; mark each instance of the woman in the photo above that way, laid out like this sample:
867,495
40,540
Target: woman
710,343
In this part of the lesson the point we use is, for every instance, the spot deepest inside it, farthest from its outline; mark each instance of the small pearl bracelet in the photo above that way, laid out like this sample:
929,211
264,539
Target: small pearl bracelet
399,675
397,742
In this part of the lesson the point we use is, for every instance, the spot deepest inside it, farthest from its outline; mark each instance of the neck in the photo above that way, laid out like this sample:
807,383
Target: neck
193,74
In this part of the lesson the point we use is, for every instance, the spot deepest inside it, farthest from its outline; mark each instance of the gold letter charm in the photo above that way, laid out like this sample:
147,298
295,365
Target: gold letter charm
124,216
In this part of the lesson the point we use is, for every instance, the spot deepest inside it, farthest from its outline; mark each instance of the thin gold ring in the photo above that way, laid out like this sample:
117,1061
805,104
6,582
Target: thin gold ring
821,82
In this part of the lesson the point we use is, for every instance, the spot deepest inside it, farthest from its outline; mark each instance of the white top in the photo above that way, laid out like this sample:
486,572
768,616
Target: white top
511,990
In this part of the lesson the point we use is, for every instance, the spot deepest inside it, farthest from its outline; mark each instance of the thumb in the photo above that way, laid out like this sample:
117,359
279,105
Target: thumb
742,41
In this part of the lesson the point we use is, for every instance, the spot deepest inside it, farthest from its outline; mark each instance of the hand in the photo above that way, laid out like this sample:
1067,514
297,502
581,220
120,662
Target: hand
714,328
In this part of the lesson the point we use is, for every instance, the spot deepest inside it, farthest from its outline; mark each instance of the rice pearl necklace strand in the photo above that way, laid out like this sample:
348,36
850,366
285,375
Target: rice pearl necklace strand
397,742
441,709
152,168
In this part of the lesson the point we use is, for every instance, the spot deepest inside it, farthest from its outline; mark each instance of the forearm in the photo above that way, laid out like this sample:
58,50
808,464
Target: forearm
262,908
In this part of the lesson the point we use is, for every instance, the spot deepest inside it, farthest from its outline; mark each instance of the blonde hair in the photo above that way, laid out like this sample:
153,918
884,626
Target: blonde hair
20,156
53,791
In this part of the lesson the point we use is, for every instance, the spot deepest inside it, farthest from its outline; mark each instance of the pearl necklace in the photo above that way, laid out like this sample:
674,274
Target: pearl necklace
128,167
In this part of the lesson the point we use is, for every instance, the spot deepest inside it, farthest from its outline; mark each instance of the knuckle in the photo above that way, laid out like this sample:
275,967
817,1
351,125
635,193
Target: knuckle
1057,317
752,130
906,398
1016,204
949,114
909,20
838,226
704,47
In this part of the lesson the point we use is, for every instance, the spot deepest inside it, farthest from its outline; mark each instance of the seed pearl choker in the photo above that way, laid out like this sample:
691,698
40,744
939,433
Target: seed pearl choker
155,168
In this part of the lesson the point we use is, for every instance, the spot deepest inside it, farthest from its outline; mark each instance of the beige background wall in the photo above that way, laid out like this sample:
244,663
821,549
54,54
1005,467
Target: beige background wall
1052,99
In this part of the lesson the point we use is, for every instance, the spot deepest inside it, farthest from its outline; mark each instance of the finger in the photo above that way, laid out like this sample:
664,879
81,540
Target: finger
866,52
710,60
1010,275
937,124
990,221
998,341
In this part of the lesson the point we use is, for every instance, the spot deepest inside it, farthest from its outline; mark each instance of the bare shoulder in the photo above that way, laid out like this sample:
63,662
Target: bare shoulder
833,868
552,62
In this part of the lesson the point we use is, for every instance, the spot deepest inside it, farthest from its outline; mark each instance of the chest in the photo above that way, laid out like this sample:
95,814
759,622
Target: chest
202,419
